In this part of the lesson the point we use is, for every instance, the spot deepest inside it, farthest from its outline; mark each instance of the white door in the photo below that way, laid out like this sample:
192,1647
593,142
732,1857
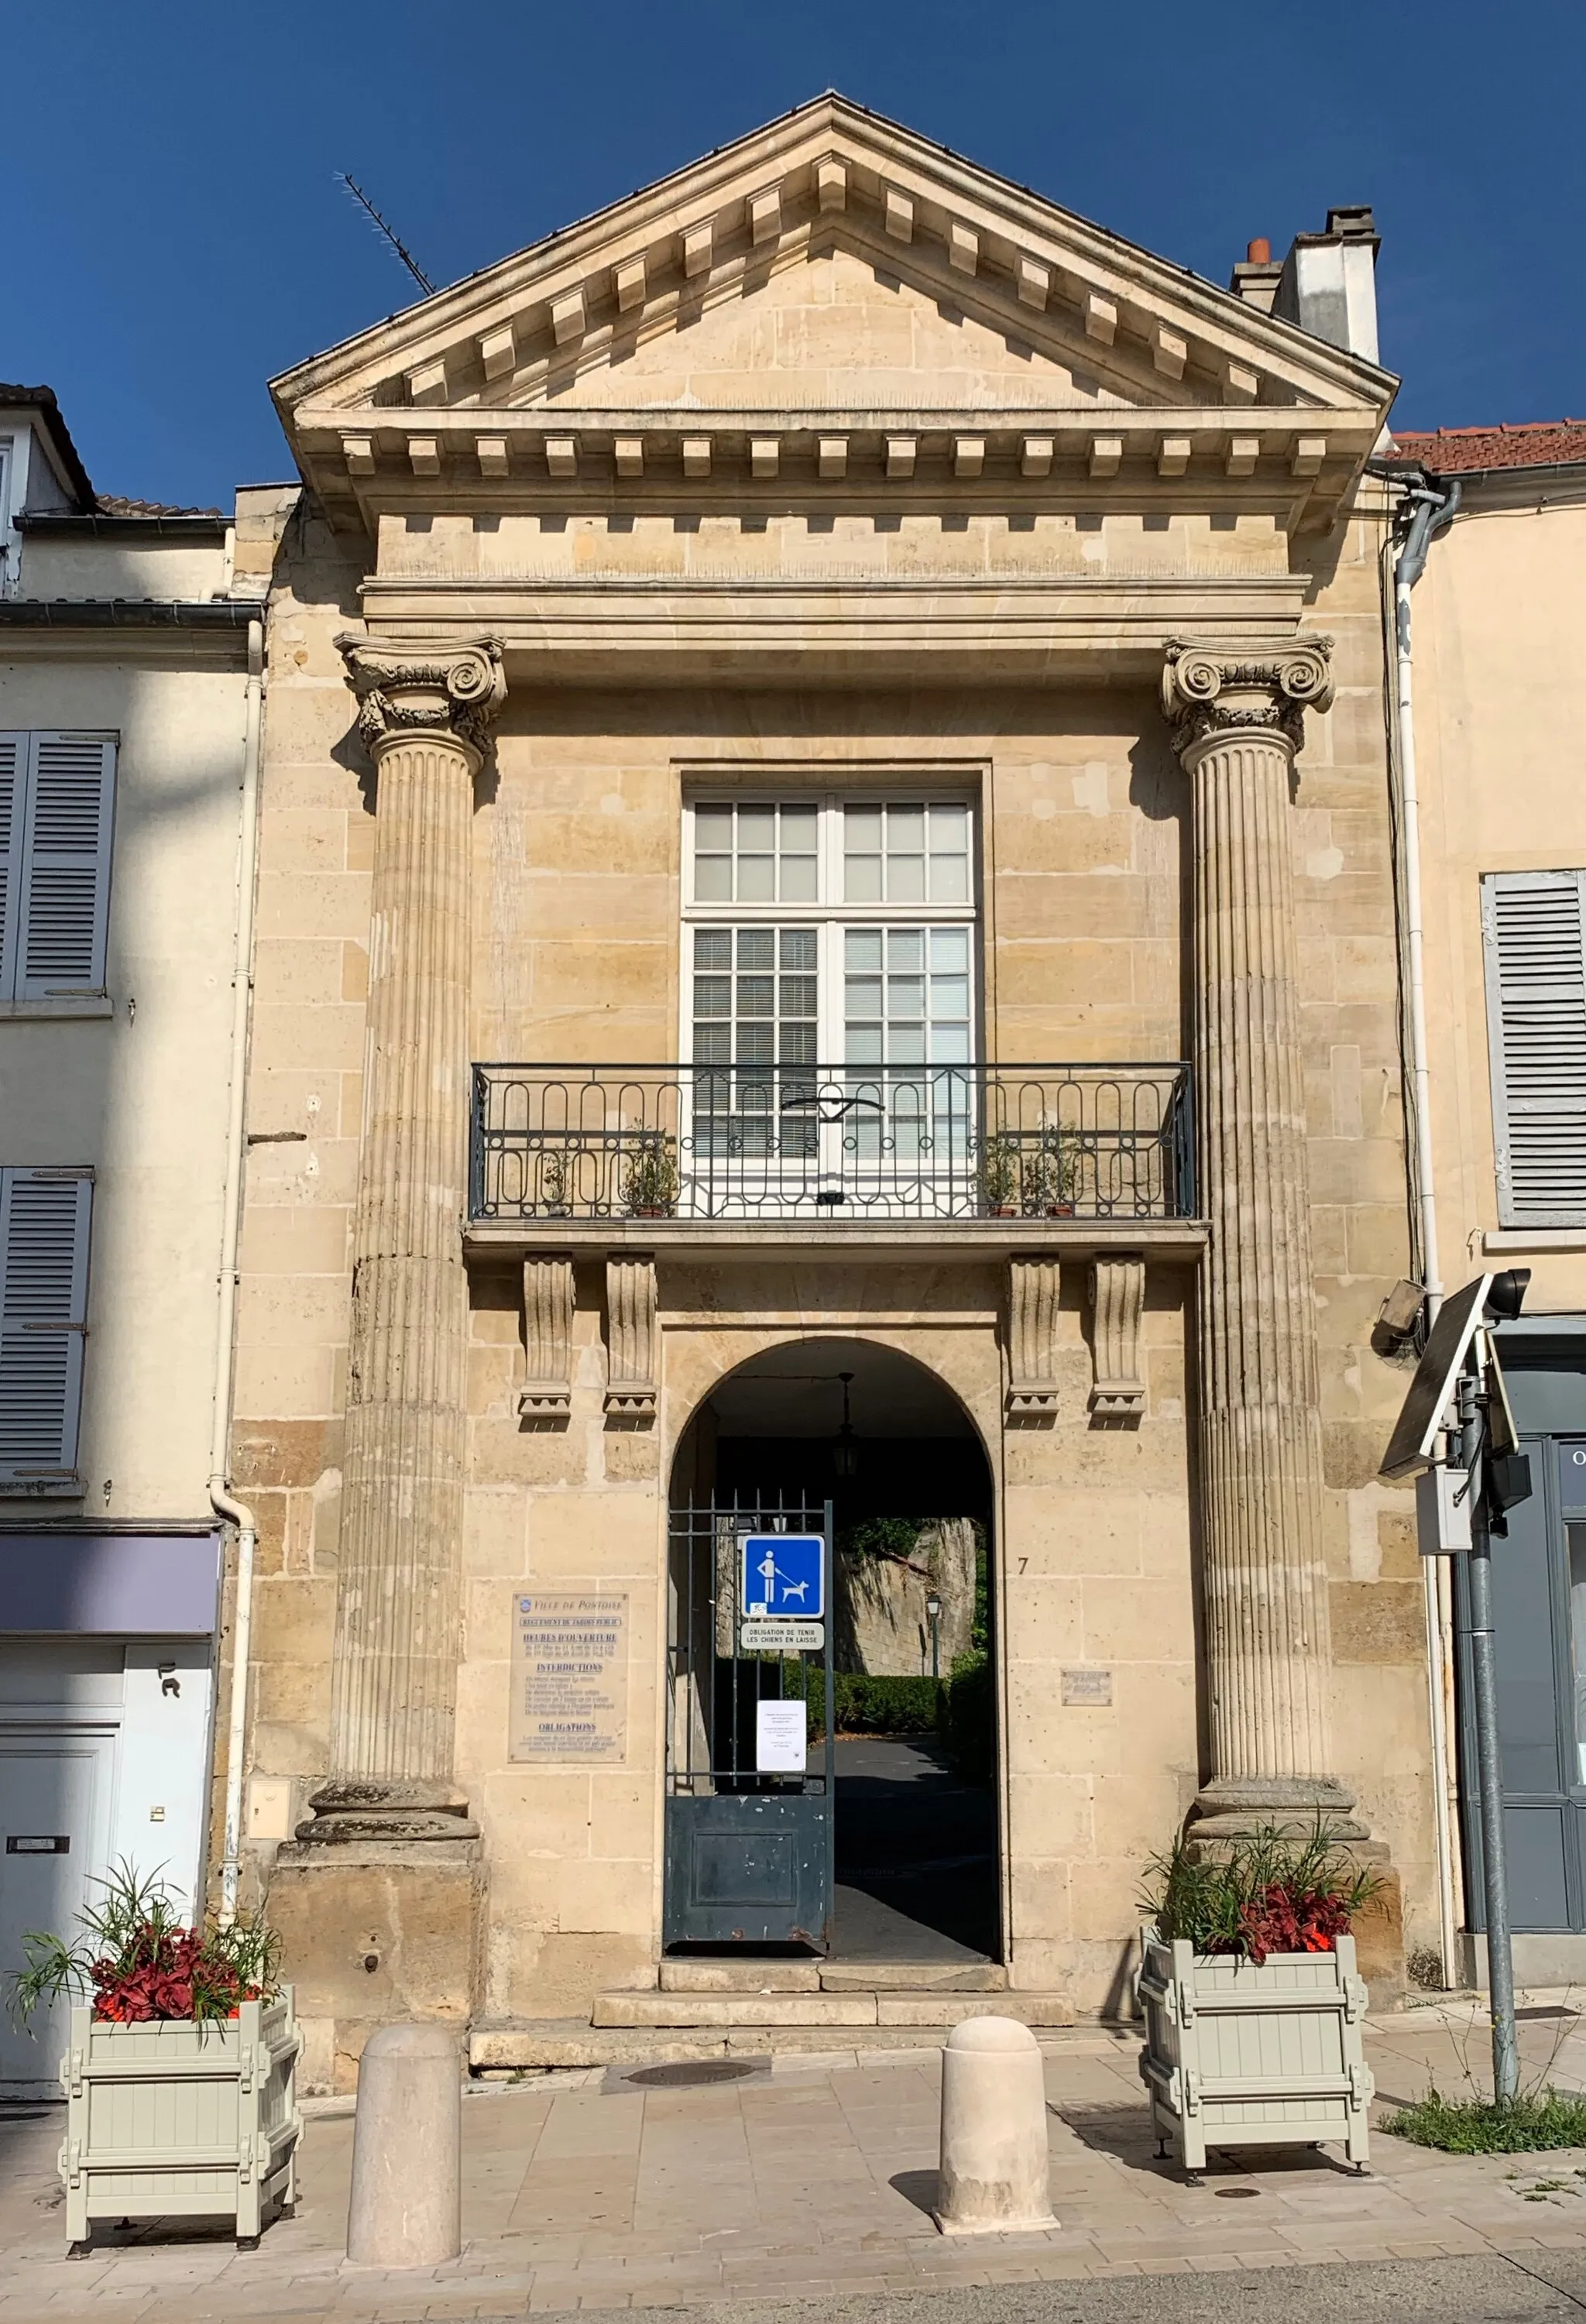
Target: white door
55,1804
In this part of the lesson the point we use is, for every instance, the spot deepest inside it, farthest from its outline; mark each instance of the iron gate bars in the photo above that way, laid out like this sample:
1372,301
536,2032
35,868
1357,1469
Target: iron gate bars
908,1143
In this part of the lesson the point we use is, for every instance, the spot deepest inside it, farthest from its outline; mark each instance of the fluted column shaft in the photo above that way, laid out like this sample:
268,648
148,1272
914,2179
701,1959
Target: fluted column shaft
398,1586
1237,728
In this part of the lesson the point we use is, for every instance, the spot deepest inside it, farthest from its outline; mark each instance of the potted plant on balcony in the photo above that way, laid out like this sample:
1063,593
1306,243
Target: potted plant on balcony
1048,1175
999,1175
553,1183
650,1178
180,2062
1248,1986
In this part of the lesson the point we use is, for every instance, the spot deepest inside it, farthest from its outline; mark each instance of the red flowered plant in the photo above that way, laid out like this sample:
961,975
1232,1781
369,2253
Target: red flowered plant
1266,1891
143,1963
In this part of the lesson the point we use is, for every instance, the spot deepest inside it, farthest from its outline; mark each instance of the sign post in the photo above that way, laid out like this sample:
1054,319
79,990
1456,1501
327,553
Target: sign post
1454,1394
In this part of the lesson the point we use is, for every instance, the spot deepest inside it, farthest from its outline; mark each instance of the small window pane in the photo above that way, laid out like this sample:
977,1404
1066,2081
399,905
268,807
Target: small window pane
713,880
757,880
756,996
949,879
949,996
905,1045
712,996
905,997
713,948
906,830
864,948
798,948
798,996
757,948
712,830
950,951
796,1043
801,883
863,996
757,831
949,830
864,1045
906,879
862,830
950,1045
713,1045
905,949
862,880
756,1043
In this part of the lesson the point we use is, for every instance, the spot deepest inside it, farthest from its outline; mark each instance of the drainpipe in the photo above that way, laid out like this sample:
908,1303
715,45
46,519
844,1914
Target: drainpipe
234,1511
1431,504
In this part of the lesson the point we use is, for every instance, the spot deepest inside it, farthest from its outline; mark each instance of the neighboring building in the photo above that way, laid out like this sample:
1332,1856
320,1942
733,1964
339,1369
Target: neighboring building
838,633
1498,616
126,698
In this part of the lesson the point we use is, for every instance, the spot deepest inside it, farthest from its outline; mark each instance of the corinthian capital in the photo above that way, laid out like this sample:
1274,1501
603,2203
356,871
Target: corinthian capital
1206,693
415,690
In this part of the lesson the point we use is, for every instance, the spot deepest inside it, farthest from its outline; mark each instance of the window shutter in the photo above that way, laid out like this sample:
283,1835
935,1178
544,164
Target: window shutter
66,866
43,1318
12,766
1533,933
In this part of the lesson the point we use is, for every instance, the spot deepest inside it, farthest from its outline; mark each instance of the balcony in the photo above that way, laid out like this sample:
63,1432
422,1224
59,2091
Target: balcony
1094,1155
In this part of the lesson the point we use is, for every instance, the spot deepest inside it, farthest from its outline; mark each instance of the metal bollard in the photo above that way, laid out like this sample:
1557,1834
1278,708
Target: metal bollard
994,2171
406,2207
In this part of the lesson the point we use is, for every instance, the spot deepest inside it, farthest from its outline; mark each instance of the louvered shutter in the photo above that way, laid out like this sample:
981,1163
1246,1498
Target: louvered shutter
66,866
43,1316
1534,932
13,768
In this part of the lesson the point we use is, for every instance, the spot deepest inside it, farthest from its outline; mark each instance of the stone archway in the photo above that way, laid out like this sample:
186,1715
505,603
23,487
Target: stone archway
883,1438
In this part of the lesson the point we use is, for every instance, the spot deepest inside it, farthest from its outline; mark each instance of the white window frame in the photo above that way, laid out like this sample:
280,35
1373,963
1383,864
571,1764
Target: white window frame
68,1331
20,994
832,916
829,913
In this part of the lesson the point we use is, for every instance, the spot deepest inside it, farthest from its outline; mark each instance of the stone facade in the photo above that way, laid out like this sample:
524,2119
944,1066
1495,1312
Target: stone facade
921,486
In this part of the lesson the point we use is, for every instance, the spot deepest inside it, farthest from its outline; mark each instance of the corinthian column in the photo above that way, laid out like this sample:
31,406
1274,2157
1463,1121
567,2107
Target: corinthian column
1237,725
423,714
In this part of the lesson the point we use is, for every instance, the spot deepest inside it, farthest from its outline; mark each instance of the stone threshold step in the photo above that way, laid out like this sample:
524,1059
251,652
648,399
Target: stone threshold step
828,2009
506,2046
695,1974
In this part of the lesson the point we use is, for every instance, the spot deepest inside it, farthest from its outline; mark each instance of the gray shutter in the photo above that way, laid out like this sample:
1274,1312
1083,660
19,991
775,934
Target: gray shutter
45,1217
1534,935
66,866
13,768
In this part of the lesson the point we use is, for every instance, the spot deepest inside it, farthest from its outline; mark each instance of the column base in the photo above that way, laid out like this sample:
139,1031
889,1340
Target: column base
351,1808
373,1931
1233,1806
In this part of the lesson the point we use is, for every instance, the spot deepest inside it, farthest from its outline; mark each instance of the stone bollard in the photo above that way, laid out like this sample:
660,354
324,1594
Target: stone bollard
994,2173
406,2208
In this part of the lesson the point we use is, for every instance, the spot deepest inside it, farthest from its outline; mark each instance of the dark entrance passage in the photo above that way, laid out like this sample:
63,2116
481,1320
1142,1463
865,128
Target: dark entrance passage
891,1450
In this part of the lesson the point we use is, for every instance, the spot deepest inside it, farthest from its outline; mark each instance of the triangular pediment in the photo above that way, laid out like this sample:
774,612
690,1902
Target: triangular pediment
830,264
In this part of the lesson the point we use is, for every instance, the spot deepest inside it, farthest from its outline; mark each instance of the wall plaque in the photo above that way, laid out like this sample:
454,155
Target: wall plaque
570,1698
1087,1686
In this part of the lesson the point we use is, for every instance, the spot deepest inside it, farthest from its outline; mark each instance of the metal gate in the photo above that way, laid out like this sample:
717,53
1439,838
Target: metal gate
749,1804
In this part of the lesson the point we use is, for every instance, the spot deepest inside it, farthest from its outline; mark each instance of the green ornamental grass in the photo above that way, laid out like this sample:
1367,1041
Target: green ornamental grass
1536,2122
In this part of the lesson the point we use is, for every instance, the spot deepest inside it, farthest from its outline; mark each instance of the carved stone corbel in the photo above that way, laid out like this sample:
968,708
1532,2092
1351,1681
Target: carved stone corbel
1033,1288
633,1341
1118,1300
546,1393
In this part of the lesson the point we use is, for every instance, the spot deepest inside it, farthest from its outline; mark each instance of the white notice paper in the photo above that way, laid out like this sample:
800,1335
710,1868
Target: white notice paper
781,1744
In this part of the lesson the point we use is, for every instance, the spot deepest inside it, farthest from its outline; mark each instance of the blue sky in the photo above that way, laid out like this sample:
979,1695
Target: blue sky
179,236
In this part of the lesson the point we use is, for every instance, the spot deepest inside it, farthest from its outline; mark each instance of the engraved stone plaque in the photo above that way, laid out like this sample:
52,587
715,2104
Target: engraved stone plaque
1091,1687
570,1698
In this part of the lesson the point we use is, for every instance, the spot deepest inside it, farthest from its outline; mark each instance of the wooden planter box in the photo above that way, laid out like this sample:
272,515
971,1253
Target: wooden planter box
1240,2056
182,2119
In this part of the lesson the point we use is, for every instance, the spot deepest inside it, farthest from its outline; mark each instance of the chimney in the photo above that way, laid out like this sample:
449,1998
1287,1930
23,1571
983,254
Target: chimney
1328,283
1256,278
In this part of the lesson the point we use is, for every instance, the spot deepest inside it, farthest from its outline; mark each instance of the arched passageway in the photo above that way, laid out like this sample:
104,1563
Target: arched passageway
859,1428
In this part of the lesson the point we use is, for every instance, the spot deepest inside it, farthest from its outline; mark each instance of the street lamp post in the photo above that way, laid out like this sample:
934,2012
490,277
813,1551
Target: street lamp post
933,1613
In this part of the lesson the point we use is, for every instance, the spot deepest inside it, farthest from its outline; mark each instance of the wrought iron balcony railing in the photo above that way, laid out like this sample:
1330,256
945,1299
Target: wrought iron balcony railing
825,1143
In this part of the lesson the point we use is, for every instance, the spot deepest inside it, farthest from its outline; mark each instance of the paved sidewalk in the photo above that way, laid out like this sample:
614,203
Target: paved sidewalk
809,2178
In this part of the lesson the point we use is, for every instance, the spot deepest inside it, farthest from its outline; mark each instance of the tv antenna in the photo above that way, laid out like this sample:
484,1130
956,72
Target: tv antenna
406,255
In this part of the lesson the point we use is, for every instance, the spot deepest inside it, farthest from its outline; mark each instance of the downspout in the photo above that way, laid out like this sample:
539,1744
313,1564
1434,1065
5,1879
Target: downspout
1432,504
234,1511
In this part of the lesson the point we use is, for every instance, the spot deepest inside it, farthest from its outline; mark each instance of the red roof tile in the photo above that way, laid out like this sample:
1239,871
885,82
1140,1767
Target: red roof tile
115,504
1523,444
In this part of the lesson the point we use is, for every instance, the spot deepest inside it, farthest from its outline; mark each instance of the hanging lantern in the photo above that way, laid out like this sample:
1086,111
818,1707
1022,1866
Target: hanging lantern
845,1451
